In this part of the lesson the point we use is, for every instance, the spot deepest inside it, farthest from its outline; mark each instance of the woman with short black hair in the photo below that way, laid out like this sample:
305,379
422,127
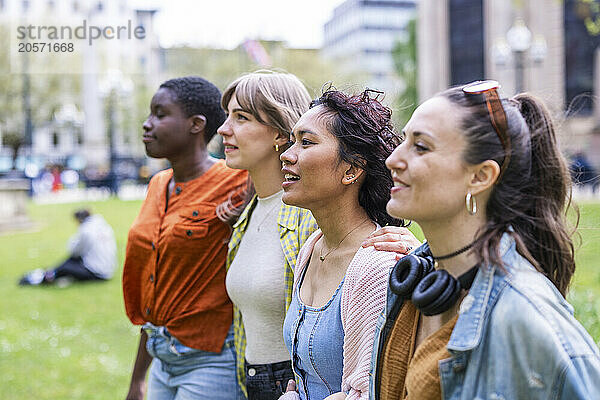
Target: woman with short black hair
174,272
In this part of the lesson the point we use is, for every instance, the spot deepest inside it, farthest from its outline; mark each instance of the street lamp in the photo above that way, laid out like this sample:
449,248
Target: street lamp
114,87
27,104
27,113
518,38
70,120
519,41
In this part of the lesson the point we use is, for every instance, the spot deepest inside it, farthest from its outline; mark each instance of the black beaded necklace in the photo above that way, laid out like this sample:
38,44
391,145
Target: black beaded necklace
457,252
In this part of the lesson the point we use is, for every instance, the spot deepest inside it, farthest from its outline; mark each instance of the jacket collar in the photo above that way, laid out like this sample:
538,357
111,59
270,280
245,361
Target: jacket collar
475,308
243,218
288,217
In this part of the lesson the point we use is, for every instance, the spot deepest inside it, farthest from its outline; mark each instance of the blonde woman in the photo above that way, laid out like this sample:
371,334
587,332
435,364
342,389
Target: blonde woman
262,107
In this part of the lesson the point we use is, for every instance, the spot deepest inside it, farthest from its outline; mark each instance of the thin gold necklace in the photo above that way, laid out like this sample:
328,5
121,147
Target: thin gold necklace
322,257
267,215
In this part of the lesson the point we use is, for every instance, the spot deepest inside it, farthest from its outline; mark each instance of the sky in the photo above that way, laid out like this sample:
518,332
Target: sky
226,23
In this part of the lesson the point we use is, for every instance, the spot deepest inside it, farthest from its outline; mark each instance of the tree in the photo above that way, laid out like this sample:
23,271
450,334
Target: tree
404,55
222,66
47,92
589,12
14,141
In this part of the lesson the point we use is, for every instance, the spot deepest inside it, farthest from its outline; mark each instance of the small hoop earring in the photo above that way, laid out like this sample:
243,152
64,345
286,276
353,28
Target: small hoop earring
471,204
276,148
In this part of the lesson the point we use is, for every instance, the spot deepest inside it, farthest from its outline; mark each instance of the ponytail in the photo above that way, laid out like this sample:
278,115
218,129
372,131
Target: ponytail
532,197
547,238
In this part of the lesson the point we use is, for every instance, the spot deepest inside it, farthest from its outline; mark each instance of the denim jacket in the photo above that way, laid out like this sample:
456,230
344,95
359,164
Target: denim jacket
515,338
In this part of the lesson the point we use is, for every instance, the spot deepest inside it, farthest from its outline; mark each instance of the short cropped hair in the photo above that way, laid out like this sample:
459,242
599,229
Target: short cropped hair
81,214
197,96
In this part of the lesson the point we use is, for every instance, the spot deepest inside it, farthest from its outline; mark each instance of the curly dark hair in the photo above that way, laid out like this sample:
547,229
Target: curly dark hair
363,127
197,96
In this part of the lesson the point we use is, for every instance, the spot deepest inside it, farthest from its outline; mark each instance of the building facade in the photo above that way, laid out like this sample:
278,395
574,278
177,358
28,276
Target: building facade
459,41
79,124
360,37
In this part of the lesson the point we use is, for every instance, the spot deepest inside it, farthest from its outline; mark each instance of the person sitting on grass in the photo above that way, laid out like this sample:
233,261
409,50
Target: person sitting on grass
92,254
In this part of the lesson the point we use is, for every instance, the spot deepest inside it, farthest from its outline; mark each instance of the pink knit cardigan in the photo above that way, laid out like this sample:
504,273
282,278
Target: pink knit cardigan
363,298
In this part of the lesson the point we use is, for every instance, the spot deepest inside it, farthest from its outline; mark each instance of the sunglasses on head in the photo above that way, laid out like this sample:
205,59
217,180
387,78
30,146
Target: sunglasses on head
489,89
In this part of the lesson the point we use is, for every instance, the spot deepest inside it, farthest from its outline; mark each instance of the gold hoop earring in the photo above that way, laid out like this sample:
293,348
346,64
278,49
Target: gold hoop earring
276,148
471,204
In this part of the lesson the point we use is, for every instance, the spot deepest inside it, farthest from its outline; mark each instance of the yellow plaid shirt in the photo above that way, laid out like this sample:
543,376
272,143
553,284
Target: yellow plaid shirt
295,225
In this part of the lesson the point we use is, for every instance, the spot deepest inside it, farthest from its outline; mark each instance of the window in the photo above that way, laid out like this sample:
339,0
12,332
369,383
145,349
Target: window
579,61
466,41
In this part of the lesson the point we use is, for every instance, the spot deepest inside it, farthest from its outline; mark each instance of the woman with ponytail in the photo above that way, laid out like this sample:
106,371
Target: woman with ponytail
479,310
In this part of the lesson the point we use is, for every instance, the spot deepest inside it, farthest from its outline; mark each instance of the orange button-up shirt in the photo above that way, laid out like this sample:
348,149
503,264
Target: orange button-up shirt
174,272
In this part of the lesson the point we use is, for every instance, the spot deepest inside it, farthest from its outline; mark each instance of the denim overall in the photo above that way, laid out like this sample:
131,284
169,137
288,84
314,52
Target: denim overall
315,339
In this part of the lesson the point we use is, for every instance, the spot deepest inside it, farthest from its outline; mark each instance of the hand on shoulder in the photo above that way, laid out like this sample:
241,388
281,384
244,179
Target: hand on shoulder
394,239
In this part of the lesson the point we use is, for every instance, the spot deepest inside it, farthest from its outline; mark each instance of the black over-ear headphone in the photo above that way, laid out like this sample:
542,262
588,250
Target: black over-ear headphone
432,291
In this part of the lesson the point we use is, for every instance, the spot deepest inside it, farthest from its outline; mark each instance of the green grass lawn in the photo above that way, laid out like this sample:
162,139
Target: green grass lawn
585,289
71,343
77,343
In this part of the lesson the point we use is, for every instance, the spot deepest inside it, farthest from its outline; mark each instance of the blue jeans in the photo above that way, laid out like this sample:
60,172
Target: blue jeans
179,372
268,381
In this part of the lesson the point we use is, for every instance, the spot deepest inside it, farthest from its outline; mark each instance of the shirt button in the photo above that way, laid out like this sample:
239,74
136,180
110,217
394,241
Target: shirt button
195,213
151,277
251,372
189,232
153,246
458,367
178,190
147,311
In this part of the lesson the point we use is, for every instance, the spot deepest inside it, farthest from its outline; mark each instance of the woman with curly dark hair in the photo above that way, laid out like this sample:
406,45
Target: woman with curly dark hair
335,167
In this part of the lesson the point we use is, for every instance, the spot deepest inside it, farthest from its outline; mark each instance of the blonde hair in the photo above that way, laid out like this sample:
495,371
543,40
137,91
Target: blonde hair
275,99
